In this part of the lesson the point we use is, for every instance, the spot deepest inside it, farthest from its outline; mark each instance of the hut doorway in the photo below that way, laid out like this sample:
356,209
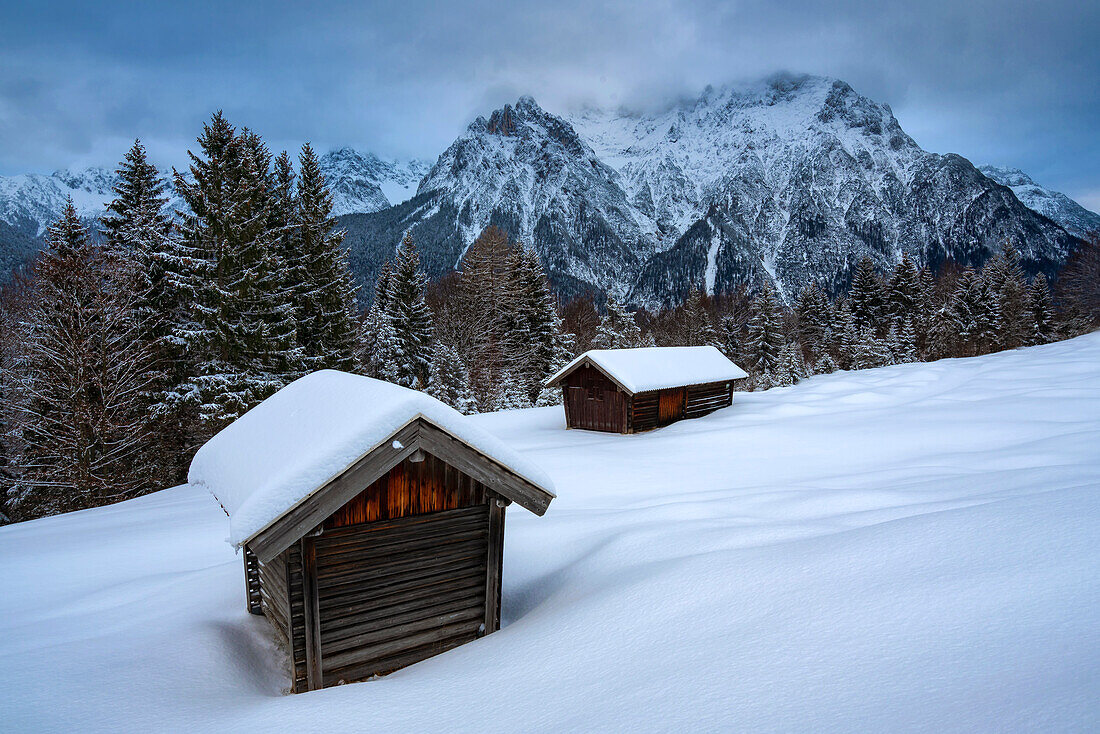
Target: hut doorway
671,406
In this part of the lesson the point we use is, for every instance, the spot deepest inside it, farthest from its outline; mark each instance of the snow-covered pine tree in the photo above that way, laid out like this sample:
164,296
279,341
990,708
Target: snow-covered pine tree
903,291
903,348
140,242
698,328
513,394
790,367
531,322
450,381
1042,310
966,319
80,430
243,327
764,337
384,285
410,316
869,351
328,330
1004,279
380,352
814,317
922,316
825,366
866,297
845,335
618,329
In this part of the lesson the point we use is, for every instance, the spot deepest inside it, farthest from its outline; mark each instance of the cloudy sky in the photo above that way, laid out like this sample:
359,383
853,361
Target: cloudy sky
1004,82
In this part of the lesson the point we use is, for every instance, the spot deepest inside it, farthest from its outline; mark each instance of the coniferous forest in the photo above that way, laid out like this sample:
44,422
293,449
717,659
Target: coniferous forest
126,347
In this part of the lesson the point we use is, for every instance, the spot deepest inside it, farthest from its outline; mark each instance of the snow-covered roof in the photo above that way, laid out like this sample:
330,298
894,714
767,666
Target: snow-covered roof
656,368
293,443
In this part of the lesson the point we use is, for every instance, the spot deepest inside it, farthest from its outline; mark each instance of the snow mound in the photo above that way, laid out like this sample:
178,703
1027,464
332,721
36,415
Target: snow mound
656,368
293,443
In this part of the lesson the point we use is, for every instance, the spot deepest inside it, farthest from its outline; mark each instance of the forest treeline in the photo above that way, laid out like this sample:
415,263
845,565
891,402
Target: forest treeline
123,350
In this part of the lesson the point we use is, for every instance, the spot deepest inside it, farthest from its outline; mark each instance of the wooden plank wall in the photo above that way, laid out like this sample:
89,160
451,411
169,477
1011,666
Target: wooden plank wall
660,407
703,399
410,488
594,402
643,412
395,592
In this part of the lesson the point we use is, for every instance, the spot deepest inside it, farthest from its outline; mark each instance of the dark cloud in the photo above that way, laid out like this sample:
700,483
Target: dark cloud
1003,82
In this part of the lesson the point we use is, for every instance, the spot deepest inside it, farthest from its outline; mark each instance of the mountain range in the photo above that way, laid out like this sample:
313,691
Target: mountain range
788,180
29,203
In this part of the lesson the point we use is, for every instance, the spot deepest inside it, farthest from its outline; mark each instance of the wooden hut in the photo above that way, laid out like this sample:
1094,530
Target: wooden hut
634,390
372,522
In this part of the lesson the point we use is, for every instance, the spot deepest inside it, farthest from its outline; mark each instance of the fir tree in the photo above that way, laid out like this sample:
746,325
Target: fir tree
845,336
327,326
903,348
1011,317
869,351
968,318
140,242
825,366
483,295
618,330
698,329
903,291
548,397
243,327
1042,310
450,381
764,338
532,322
410,316
866,295
814,315
513,395
380,353
384,286
790,367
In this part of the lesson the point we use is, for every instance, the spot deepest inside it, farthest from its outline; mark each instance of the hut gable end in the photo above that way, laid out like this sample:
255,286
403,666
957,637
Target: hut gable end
336,498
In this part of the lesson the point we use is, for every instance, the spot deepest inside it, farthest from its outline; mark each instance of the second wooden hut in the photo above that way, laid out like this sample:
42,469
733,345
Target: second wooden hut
634,390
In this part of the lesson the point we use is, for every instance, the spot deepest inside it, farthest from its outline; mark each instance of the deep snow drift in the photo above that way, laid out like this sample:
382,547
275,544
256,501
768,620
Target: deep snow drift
908,548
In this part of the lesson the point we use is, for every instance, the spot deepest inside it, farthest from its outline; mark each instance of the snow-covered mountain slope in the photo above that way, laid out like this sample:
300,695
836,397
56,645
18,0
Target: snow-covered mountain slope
788,180
362,182
29,203
32,201
912,548
794,179
1054,205
528,172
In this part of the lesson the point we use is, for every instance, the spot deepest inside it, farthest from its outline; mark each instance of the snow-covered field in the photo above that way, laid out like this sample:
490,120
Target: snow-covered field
915,548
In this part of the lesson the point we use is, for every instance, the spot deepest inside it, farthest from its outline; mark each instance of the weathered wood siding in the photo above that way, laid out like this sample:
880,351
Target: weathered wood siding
703,399
410,488
594,402
656,408
408,568
395,592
